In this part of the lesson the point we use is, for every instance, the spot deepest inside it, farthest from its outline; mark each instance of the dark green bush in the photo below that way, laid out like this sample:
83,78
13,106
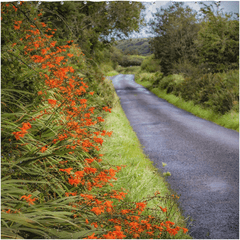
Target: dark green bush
150,64
218,91
128,61
171,83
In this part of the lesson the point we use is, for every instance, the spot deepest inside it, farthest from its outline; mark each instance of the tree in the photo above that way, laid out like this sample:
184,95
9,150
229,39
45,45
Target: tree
175,29
94,21
218,40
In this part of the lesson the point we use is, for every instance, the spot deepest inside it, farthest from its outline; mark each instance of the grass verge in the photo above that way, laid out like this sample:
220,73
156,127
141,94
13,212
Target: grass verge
229,120
140,177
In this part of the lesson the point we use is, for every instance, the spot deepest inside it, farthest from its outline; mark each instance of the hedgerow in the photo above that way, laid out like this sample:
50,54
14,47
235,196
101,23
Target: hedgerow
55,184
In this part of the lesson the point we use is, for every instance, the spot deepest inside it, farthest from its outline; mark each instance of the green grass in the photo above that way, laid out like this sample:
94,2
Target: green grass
140,177
137,56
112,73
146,84
128,70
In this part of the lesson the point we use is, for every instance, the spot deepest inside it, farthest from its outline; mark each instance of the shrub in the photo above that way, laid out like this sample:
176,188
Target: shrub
187,69
171,83
218,91
128,61
150,64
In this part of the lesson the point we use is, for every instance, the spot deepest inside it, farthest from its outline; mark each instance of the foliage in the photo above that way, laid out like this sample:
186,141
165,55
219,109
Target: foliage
219,91
174,28
191,44
150,64
54,181
218,41
118,58
128,70
128,61
229,120
134,46
171,83
187,68
94,21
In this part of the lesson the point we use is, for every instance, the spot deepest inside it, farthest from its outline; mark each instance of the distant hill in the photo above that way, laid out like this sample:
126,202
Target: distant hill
135,46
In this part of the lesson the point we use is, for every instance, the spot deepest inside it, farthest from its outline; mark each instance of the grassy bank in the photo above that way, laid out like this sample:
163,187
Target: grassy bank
139,176
229,120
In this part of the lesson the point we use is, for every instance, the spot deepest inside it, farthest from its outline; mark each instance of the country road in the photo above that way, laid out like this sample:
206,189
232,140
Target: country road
202,157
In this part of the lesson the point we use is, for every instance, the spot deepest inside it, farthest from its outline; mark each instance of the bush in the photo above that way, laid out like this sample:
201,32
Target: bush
187,69
171,83
128,61
218,91
150,64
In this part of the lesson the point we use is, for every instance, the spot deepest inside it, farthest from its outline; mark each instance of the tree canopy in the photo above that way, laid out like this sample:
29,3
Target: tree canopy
218,40
175,29
88,23
209,40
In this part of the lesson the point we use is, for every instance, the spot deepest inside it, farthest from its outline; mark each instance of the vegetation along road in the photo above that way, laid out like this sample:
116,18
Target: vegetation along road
201,156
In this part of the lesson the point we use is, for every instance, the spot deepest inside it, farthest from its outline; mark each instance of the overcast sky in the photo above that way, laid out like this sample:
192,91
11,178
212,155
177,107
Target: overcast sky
151,7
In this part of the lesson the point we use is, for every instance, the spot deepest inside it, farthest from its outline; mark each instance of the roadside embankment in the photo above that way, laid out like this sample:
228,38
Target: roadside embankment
209,102
139,176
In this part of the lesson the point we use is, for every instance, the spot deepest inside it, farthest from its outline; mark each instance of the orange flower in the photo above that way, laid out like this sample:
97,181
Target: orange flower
43,24
18,22
79,174
169,222
97,210
28,199
15,8
73,194
43,149
52,44
100,119
14,44
163,209
16,27
40,93
125,211
94,224
44,51
185,230
92,236
52,101
74,181
68,170
91,93
70,55
28,36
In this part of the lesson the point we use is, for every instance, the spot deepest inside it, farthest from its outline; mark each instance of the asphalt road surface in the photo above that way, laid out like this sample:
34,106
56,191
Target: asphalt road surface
202,157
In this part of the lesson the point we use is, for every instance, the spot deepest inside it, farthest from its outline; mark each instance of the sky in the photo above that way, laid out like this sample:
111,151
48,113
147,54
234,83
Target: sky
151,7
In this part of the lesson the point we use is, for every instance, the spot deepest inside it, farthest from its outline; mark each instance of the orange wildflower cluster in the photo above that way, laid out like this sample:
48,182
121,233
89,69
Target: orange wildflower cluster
77,132
29,199
24,128
11,211
106,109
71,89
